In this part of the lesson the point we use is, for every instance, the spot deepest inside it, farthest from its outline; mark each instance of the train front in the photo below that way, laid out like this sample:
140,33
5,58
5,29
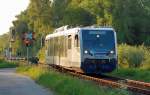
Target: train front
98,50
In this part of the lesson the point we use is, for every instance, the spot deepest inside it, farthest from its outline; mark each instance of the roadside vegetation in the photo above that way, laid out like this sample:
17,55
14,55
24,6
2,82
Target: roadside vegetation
64,84
6,64
41,55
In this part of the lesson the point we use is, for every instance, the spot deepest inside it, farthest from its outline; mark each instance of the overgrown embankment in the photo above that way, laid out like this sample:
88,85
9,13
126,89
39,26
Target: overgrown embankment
134,74
6,64
64,84
133,62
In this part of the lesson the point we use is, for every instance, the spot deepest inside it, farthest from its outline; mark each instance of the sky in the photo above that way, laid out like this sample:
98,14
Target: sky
8,10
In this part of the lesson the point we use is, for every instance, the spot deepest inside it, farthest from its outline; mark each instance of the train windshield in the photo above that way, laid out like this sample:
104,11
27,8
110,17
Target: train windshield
98,40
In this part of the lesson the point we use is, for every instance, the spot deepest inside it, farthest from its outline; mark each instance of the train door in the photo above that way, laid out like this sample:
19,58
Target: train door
76,51
69,50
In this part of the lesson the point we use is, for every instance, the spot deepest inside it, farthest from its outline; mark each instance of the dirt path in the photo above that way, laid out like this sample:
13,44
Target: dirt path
14,84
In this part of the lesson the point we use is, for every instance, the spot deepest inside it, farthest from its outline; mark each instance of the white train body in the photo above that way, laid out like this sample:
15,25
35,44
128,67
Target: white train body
86,48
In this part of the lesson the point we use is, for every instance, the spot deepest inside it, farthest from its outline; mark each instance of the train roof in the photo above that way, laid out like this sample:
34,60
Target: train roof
74,31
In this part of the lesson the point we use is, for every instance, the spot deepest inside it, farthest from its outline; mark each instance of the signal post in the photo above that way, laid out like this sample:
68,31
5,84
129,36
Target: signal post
28,38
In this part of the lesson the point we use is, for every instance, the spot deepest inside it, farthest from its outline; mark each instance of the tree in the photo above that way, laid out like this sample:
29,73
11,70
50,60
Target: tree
131,21
77,17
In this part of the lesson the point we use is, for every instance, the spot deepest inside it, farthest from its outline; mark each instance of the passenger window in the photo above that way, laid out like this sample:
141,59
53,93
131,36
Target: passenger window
65,46
50,42
46,46
76,41
52,47
69,42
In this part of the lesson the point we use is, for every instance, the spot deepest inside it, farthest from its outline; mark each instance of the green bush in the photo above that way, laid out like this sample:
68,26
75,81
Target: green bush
133,56
122,54
6,64
41,55
146,63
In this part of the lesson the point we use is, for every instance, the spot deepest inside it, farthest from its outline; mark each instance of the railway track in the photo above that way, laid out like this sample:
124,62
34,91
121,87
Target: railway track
141,88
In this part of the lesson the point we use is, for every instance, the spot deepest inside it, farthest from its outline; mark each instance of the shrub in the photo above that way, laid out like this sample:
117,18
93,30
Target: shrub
135,56
122,54
41,55
132,56
6,64
146,63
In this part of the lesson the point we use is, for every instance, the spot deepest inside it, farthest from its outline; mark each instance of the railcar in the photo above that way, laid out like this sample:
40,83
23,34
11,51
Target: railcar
90,49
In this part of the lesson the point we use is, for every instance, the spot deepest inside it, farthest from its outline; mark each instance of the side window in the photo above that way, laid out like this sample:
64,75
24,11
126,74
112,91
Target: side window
46,45
57,46
69,42
65,46
52,47
49,47
76,41
60,46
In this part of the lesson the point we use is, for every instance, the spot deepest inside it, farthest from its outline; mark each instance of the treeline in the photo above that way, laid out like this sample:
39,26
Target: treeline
4,42
130,18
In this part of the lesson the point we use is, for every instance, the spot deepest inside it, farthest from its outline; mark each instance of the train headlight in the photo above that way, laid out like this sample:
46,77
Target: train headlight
112,52
86,52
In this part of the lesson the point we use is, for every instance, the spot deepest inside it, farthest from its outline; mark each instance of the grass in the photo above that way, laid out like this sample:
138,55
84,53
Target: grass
64,84
6,64
133,73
